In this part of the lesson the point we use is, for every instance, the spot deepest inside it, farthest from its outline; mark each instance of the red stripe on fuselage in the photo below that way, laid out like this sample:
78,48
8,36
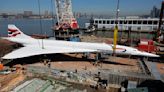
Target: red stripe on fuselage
12,30
16,34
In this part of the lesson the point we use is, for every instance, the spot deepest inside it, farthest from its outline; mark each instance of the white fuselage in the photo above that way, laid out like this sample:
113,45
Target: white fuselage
99,47
34,47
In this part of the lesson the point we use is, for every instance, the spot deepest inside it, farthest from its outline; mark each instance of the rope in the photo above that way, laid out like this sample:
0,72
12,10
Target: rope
41,30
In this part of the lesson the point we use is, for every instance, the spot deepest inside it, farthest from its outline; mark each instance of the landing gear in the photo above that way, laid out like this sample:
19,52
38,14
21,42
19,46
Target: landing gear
96,58
46,61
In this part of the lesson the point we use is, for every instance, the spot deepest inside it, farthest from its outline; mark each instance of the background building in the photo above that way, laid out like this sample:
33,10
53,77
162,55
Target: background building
155,12
27,14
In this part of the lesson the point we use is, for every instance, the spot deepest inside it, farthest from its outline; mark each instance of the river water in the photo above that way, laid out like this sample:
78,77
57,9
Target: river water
32,26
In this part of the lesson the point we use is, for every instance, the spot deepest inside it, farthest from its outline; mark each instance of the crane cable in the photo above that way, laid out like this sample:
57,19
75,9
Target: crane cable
52,13
40,21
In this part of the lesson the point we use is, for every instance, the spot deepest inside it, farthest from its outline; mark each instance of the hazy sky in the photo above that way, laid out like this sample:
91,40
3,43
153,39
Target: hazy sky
127,7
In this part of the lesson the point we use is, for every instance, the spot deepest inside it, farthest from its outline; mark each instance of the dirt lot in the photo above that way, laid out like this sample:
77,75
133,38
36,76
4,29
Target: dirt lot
93,38
9,81
114,63
6,47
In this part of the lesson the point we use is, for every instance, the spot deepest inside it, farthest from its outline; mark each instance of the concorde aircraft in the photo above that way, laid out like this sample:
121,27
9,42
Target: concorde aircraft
34,46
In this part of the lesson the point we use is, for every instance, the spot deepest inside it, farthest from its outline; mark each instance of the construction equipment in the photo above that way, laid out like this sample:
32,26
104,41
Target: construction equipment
1,66
159,33
65,18
66,27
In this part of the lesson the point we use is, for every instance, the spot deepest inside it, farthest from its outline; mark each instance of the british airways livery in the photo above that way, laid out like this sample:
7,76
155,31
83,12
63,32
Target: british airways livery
34,46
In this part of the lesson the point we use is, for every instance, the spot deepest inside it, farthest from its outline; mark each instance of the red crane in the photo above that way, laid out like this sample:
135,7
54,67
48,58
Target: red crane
65,17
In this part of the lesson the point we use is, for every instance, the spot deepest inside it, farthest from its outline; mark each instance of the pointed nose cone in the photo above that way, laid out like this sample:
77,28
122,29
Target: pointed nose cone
142,53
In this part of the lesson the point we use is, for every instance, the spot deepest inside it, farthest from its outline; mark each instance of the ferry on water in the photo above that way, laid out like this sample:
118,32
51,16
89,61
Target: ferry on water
127,23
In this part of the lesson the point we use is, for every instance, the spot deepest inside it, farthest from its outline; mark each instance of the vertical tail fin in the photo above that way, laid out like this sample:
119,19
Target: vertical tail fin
13,31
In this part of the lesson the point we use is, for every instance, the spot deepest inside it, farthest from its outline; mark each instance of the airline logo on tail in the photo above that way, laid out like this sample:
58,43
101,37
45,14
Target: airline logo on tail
13,32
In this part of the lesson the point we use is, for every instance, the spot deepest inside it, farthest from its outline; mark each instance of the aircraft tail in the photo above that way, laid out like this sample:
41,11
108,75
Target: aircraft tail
13,31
